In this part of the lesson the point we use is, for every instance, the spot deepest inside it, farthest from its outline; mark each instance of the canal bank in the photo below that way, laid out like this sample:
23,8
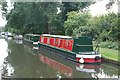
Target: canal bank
110,61
110,56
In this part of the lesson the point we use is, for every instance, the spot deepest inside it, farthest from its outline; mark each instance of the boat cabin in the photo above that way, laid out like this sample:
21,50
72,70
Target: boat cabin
80,44
32,37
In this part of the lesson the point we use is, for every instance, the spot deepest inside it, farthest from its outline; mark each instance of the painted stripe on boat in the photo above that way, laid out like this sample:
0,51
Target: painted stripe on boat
35,42
87,56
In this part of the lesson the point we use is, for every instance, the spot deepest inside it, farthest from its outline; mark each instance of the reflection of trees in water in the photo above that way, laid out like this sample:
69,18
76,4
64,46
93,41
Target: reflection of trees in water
109,70
8,70
40,68
25,64
14,51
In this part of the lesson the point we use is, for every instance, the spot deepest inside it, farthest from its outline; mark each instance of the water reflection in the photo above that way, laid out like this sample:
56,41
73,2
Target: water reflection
66,70
8,70
88,68
17,60
108,71
3,53
18,41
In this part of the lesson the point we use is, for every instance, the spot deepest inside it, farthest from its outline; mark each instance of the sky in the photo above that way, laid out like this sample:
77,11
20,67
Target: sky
96,9
100,8
2,21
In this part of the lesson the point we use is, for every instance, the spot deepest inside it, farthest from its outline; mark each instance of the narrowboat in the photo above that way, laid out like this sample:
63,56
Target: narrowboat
31,39
76,49
8,34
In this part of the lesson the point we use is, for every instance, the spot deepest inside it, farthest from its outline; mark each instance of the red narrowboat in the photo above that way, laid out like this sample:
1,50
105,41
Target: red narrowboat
77,49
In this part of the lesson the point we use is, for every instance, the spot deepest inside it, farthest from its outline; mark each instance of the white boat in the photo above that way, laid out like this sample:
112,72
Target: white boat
18,37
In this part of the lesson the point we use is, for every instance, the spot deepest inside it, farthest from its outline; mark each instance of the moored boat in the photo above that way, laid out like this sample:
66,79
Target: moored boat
18,37
31,39
77,49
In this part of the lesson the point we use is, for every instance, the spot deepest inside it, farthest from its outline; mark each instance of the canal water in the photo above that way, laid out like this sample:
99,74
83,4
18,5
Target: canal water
18,60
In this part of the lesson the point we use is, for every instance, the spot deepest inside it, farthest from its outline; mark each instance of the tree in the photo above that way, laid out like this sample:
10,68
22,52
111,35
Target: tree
104,27
67,7
76,21
40,17
32,17
72,6
4,8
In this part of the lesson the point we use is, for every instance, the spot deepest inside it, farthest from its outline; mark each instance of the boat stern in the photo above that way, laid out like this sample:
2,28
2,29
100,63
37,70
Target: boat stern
88,57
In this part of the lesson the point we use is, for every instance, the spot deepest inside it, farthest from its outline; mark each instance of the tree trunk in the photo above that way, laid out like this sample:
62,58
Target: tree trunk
46,24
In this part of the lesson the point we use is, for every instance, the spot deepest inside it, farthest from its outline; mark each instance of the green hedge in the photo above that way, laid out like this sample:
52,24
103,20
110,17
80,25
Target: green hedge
109,45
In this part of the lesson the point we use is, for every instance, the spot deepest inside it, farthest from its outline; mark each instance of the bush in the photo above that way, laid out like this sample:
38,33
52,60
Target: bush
109,44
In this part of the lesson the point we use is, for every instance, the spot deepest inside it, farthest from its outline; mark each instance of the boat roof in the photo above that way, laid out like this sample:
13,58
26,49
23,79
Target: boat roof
33,34
59,36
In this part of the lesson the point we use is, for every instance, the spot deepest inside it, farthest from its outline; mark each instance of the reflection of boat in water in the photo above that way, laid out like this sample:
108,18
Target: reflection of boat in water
31,48
56,65
30,42
89,68
18,41
68,68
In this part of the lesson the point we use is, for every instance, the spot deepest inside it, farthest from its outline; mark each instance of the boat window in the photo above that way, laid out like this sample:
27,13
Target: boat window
54,40
42,39
88,53
48,40
67,42
59,42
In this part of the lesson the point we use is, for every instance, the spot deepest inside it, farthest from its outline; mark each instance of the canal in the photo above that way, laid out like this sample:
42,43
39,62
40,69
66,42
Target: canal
18,60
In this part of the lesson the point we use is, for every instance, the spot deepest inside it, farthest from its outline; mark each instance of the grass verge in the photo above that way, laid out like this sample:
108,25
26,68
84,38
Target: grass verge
109,54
